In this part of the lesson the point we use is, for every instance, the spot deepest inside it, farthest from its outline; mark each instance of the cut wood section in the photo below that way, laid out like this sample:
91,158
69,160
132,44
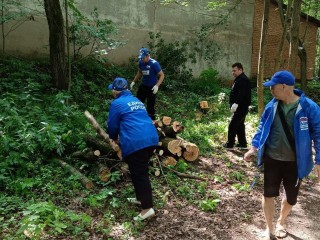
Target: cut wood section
157,172
191,151
104,173
86,182
172,145
166,120
204,106
169,161
102,133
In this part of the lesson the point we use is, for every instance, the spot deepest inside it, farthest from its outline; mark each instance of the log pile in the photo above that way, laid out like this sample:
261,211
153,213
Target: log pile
104,155
173,145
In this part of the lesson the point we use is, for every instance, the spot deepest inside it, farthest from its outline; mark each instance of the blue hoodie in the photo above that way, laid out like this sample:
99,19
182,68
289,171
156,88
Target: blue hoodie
129,119
306,129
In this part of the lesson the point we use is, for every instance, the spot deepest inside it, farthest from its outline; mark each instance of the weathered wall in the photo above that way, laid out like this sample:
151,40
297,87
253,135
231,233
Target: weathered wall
136,18
273,41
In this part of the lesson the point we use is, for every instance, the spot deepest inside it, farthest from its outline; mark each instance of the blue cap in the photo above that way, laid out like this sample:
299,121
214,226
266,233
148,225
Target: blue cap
143,53
281,77
119,84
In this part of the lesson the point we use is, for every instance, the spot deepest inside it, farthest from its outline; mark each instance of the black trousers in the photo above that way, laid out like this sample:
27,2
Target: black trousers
145,93
237,128
138,166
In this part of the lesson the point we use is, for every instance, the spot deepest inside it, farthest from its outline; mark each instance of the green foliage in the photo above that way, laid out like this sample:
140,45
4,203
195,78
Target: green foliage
241,187
45,215
94,32
209,204
173,58
181,166
207,84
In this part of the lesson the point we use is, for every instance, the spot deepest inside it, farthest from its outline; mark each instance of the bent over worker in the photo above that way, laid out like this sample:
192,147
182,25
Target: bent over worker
128,122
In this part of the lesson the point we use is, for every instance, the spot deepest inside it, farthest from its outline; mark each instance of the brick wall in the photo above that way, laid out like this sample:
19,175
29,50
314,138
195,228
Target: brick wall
273,41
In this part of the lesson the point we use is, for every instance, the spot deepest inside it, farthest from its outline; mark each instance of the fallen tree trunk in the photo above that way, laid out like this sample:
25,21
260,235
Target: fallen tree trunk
86,182
103,134
95,143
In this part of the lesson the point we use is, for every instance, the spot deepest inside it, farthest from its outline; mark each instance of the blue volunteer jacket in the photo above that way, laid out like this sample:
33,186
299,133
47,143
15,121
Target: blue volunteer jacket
306,129
129,119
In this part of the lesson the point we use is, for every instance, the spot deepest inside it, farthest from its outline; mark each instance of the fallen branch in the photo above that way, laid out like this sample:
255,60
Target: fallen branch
86,182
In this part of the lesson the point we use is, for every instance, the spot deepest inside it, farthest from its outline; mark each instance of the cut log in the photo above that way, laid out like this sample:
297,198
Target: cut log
86,182
104,173
103,134
169,161
204,106
190,152
166,120
157,123
157,172
172,145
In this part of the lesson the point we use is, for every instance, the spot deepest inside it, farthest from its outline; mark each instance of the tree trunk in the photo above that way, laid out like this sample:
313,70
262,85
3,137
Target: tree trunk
264,30
294,35
87,183
57,43
103,134
285,23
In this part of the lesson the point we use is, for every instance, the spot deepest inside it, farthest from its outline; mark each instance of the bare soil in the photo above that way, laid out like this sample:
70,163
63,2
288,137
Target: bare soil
238,216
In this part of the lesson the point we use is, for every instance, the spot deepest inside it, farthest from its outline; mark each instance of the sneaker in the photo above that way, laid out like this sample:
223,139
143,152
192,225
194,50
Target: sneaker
133,201
148,214
227,145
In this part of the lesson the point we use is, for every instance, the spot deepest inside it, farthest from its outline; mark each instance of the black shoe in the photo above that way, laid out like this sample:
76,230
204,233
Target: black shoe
242,146
227,145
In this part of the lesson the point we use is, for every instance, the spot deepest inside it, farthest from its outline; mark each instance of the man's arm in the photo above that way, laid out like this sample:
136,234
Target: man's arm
136,79
160,78
138,76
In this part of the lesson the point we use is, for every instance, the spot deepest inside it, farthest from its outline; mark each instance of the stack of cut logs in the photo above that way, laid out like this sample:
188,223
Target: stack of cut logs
105,151
172,145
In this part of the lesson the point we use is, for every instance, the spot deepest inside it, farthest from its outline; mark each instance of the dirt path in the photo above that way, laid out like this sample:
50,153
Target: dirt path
239,215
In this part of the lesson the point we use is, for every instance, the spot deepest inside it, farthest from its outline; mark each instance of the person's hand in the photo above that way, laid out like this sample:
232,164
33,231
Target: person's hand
132,84
317,171
234,107
247,155
155,89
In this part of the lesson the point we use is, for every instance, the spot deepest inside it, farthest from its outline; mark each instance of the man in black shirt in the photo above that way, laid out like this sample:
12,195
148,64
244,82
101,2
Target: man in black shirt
239,102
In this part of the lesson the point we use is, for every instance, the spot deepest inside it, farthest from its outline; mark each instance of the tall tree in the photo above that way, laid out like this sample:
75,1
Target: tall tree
57,43
294,34
264,30
295,48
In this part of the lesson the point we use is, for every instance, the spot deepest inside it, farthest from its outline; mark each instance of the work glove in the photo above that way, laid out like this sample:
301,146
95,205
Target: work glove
132,84
234,107
317,171
155,89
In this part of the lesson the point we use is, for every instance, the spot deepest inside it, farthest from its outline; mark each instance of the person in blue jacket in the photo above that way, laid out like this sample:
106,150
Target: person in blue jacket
284,160
152,77
130,126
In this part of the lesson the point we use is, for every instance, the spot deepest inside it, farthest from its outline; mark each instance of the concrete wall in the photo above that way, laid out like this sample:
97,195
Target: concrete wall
135,18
